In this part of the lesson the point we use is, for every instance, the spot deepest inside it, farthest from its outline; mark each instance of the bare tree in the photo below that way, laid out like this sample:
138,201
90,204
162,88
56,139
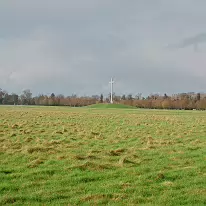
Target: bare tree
26,97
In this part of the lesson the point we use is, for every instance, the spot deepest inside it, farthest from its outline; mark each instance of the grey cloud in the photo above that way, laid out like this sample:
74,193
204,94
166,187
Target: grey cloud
76,46
192,41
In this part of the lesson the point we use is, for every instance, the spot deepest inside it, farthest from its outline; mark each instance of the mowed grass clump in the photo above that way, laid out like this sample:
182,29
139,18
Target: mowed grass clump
60,156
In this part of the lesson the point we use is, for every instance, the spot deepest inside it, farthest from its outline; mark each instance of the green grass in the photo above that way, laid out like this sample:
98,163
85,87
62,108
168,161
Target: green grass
110,106
72,156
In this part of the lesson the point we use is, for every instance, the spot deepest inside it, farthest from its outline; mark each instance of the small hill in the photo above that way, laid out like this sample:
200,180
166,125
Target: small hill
110,106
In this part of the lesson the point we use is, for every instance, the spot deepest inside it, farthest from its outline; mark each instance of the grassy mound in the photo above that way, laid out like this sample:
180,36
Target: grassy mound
110,106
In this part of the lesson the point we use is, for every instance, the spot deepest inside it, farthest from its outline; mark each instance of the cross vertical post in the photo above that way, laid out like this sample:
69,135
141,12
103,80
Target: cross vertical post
111,82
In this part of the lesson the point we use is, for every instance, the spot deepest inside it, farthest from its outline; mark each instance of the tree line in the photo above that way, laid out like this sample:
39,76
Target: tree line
187,101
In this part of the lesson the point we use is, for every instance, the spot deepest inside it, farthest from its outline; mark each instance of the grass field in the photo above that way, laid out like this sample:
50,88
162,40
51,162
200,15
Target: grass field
62,156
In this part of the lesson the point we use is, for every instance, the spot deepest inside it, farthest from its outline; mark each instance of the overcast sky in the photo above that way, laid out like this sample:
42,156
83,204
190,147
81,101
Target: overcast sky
75,46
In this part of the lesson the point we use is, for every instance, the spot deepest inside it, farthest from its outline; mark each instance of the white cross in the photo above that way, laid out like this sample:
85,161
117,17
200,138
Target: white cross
111,82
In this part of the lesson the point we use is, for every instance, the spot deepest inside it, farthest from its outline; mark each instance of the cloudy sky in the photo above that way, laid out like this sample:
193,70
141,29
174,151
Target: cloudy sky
75,46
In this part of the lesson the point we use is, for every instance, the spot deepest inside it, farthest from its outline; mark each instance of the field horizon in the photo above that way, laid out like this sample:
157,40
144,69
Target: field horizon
89,156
